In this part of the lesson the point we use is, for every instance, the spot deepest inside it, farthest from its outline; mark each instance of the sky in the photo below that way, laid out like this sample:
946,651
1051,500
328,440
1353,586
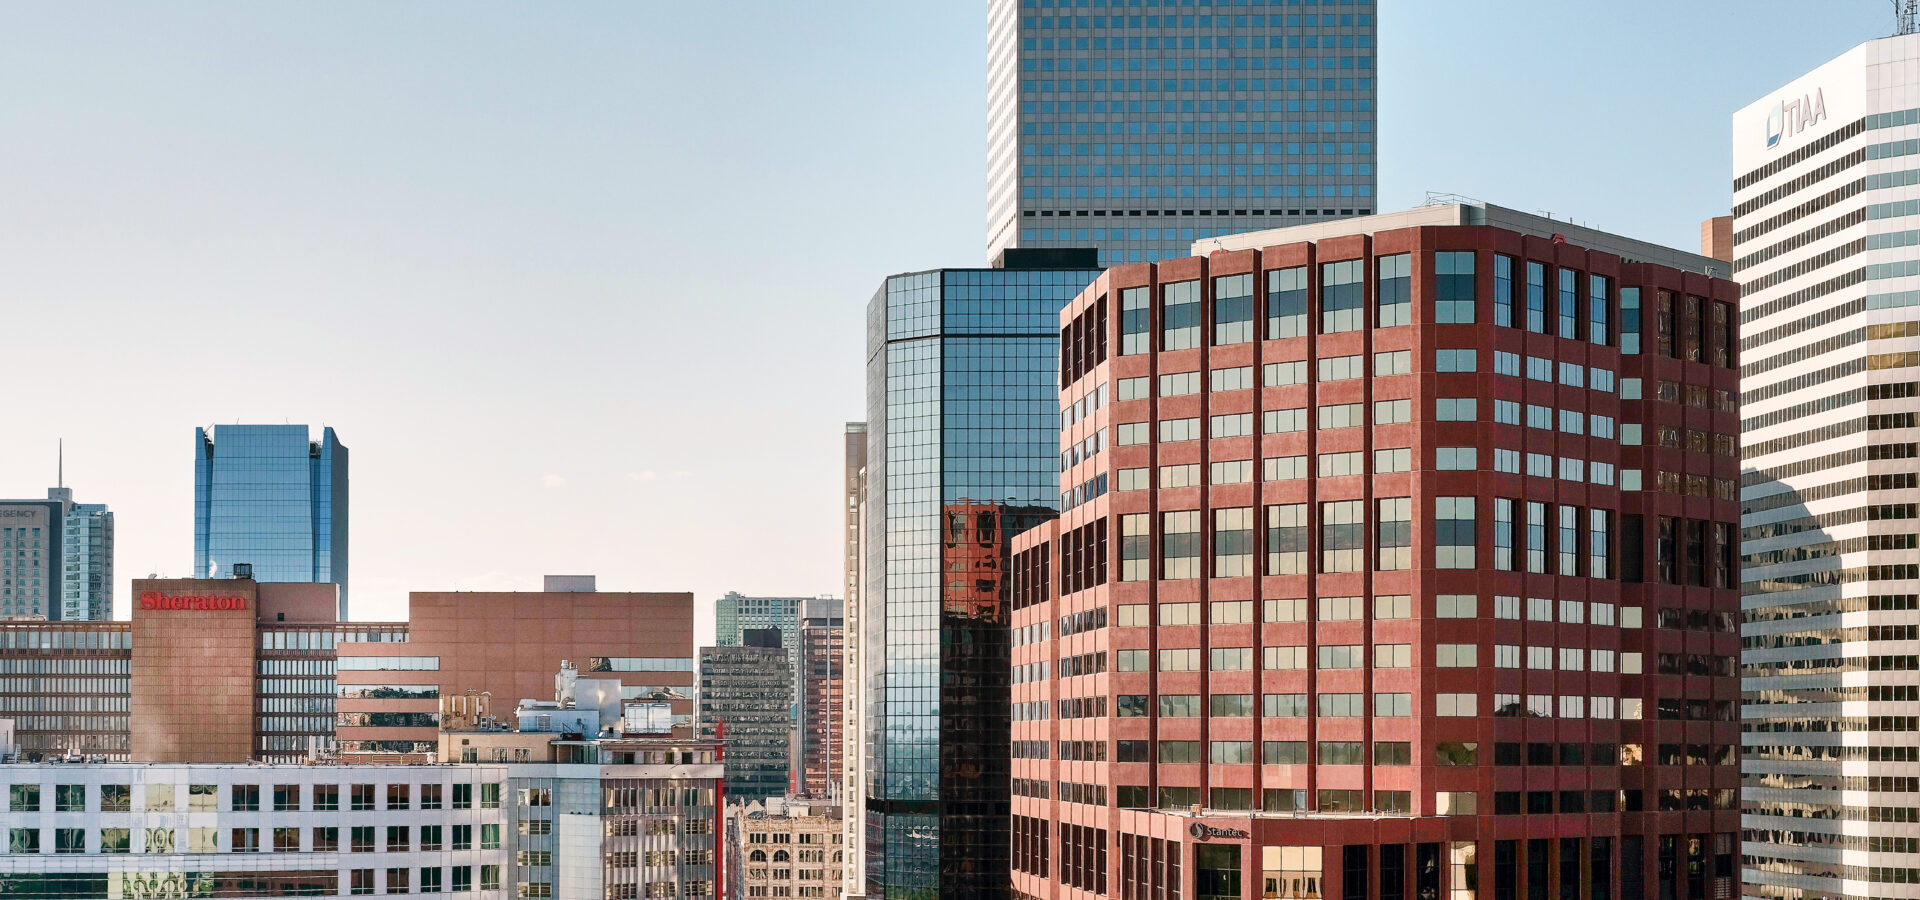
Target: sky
582,286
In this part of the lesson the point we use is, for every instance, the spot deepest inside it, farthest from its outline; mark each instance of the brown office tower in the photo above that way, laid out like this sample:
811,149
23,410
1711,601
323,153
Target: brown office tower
822,696
195,647
1397,561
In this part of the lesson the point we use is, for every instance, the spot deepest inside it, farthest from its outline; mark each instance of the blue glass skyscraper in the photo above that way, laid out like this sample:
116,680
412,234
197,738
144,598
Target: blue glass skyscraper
267,496
1139,126
963,418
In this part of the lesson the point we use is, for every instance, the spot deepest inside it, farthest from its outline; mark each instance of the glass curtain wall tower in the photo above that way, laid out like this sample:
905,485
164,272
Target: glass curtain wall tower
267,496
963,427
1138,126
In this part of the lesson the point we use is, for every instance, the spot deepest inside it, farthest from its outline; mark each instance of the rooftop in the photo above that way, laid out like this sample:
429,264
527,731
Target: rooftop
1471,213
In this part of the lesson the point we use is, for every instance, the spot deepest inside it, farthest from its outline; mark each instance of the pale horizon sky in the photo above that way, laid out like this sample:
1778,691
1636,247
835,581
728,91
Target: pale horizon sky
582,287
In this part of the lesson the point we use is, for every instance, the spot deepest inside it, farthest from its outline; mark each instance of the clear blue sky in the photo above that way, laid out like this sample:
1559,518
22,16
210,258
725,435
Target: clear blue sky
582,286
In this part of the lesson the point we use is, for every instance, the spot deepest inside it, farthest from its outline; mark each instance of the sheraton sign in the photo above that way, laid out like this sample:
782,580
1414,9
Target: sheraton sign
157,600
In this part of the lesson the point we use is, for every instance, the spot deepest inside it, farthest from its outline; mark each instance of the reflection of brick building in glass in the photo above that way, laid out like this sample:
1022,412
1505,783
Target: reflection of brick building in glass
1396,560
822,695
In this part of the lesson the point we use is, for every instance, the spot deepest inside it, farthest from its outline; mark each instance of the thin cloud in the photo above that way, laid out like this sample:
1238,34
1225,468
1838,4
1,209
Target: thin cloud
642,475
551,480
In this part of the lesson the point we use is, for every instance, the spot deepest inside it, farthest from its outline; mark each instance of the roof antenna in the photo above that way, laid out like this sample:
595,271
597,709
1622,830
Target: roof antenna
61,467
1905,14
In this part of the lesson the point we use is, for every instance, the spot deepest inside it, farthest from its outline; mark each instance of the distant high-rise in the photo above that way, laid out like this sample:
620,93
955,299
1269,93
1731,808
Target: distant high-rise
56,559
822,693
1826,250
267,496
1140,129
744,704
853,767
963,424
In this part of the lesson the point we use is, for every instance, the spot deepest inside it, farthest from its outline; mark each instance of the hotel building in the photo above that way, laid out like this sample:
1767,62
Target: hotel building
1826,247
56,559
1396,559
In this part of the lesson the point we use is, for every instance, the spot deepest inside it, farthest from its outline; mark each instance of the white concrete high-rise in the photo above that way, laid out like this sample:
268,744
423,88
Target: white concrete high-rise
1827,249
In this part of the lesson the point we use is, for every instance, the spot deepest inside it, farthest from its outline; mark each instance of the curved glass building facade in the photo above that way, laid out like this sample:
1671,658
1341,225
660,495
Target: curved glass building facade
963,433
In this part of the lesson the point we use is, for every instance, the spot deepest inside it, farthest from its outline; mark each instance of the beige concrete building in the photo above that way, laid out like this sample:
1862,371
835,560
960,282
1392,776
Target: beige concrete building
784,848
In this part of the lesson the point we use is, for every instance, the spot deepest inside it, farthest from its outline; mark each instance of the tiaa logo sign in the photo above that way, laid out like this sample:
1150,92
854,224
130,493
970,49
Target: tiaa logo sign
1790,117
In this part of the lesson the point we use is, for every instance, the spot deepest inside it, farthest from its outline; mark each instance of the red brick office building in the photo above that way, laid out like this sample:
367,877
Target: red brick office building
1397,559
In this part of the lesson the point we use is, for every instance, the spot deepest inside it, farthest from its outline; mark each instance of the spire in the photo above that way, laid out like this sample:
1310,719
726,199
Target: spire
60,469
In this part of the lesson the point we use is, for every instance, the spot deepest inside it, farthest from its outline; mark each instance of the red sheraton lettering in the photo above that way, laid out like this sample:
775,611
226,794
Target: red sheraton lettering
156,600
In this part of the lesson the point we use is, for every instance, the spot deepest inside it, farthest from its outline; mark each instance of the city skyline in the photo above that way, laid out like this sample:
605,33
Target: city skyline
337,194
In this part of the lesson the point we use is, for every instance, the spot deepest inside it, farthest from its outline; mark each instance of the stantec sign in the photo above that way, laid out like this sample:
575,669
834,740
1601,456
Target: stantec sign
157,600
1207,832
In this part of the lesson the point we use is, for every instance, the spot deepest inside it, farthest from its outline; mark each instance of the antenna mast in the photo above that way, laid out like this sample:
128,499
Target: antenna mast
1906,15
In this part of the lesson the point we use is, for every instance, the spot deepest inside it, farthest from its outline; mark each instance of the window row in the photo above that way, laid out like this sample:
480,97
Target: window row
248,797
1343,539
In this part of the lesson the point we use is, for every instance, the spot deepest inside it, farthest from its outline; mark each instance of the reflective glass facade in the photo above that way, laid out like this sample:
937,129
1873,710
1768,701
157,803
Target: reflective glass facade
267,496
1139,126
962,406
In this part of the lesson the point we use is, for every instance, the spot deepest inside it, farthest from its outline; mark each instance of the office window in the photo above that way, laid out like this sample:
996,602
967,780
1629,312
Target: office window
1395,534
1389,460
1453,286
1540,465
1455,704
1507,461
1283,421
1506,656
1283,753
1342,296
1629,321
1599,544
1136,561
1232,471
1503,291
1286,539
1394,291
363,796
1230,425
1343,705
1456,656
1341,609
1536,537
1343,532
1136,321
1284,468
1506,607
1179,384
116,840
1341,368
1392,606
1134,388
1342,415
1454,361
1287,609
1180,660
1180,544
1283,658
1173,431
1180,476
1454,409
1229,659
1284,374
1180,315
1333,465
1232,309
1132,480
1456,606
1392,412
1569,543
1598,303
1178,613
399,796
1287,303
1392,656
1537,297
1232,542
361,881
1453,533
1284,706
462,796
1454,459
286,797
1569,304
1392,362
1236,378
1341,656
1230,612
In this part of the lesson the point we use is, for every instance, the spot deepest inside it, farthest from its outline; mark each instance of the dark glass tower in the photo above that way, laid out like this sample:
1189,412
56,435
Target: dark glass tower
267,496
963,448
